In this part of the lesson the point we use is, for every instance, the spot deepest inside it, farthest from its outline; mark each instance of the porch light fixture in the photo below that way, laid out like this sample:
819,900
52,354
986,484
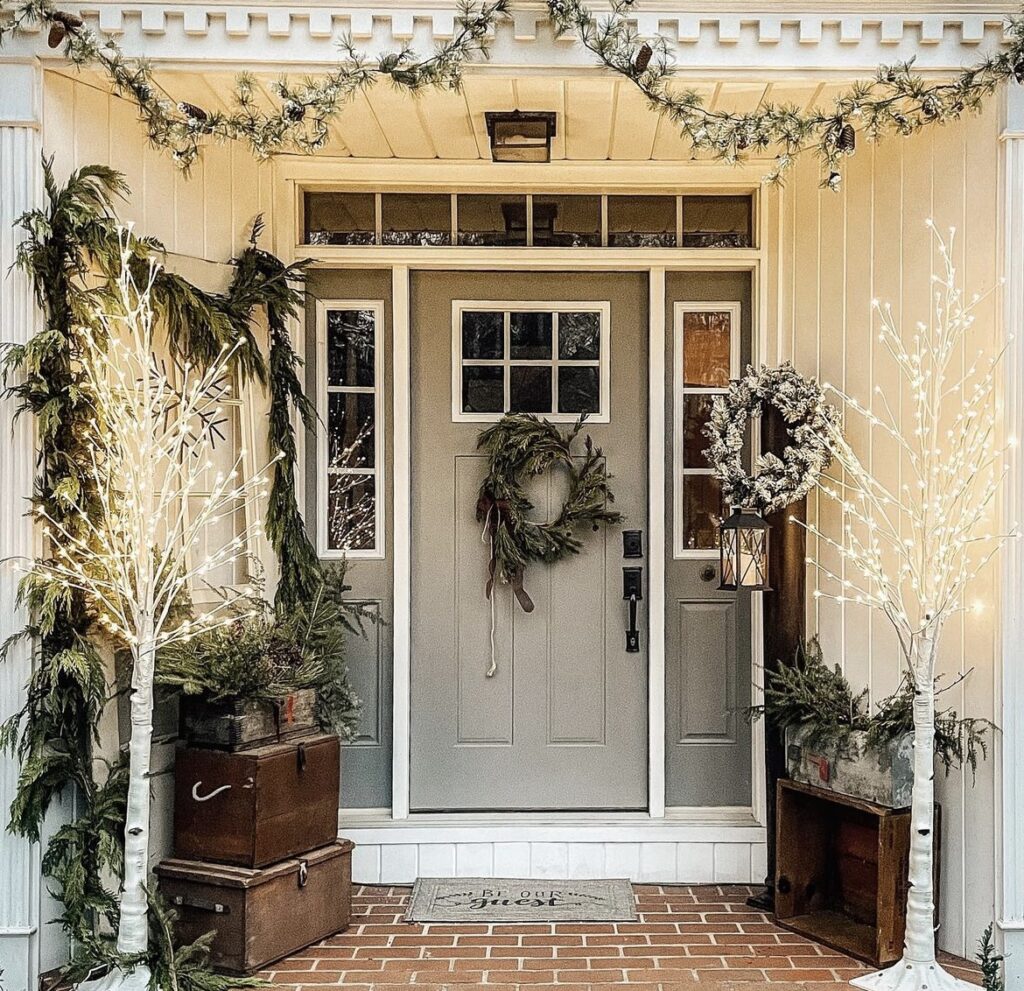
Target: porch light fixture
520,136
744,552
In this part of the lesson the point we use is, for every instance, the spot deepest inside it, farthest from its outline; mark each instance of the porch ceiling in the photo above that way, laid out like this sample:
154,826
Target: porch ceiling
599,118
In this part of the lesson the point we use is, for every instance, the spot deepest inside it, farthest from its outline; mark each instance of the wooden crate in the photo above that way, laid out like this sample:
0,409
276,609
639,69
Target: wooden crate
260,916
238,725
259,806
841,871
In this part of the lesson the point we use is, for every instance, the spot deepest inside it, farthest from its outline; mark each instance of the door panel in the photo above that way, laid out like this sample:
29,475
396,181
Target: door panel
707,636
562,724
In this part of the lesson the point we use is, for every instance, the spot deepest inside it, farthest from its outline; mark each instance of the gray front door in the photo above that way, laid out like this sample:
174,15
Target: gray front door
562,723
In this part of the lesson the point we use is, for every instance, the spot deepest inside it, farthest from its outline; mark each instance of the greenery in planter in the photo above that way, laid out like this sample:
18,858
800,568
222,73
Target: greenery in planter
991,963
264,655
810,694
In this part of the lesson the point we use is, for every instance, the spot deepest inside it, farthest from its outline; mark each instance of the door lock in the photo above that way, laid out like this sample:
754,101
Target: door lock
632,592
632,543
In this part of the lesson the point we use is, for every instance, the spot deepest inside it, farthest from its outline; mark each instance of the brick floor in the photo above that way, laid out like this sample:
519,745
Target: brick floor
702,937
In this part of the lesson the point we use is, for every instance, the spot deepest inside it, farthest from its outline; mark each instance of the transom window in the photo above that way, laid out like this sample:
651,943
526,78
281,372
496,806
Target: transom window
707,355
529,357
351,437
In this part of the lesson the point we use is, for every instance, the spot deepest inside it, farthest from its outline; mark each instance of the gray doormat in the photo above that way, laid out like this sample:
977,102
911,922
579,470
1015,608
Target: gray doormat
482,899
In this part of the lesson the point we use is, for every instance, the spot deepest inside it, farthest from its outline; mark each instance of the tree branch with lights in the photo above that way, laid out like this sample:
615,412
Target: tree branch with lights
134,551
911,549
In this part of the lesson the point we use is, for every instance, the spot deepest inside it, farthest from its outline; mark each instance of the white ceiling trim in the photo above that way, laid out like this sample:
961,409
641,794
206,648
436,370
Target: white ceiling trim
283,35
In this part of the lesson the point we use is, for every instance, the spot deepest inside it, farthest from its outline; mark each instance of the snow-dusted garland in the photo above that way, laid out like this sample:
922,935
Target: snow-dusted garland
776,482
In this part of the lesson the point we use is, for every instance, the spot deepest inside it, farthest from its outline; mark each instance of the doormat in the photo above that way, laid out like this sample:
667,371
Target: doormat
481,899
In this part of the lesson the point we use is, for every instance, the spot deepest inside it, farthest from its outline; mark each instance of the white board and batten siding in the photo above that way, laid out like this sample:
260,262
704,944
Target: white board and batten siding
835,253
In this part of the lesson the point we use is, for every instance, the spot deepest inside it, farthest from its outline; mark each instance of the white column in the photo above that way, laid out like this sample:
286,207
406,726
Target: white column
1011,902
20,97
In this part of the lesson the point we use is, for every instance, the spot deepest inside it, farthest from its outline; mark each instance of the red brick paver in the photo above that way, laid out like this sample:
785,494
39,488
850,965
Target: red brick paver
701,936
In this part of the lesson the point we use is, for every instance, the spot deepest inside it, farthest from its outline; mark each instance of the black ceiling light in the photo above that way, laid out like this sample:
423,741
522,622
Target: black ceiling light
520,135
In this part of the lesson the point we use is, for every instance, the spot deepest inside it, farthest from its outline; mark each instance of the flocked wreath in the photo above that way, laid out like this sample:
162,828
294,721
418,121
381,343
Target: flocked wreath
519,447
776,482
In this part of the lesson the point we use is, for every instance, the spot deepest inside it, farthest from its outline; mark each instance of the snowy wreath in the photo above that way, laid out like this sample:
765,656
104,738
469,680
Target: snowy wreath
776,482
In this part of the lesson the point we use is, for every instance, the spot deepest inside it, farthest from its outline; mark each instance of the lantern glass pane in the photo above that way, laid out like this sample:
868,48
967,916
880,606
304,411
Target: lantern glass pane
729,558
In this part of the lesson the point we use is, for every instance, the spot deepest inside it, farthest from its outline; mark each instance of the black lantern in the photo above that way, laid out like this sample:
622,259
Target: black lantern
520,136
744,550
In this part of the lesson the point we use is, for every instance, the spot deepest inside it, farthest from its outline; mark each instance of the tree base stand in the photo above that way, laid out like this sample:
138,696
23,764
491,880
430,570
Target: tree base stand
137,979
909,976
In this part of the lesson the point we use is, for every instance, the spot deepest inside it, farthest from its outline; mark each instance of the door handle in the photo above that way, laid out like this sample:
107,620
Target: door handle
632,592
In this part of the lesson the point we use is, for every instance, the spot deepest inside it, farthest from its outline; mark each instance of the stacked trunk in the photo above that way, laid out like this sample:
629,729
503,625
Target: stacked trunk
257,854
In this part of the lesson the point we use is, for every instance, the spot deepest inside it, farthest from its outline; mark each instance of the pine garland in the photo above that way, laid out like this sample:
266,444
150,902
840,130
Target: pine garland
896,101
300,120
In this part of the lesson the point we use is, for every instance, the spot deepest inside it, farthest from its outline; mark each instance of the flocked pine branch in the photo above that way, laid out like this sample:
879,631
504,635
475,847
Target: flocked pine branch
911,549
134,552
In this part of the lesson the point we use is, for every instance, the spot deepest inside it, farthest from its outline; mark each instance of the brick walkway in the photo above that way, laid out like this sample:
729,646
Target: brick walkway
700,936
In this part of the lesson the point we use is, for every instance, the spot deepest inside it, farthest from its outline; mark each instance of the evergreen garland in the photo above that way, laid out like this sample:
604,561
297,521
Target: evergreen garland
300,120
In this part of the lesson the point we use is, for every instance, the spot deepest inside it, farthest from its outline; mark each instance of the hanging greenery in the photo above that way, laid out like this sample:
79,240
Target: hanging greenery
299,120
897,100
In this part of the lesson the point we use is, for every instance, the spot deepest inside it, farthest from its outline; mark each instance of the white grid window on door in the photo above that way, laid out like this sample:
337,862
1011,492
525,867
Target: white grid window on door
706,351
351,447
546,358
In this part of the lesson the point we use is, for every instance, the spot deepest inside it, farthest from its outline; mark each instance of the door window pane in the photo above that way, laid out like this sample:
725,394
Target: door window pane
696,413
530,389
579,389
702,512
707,349
579,336
350,347
483,334
531,335
351,513
351,430
483,389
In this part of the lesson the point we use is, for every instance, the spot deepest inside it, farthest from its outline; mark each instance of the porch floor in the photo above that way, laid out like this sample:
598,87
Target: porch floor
701,936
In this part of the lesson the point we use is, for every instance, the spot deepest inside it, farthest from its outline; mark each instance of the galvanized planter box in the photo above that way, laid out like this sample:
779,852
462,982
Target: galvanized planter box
885,778
242,725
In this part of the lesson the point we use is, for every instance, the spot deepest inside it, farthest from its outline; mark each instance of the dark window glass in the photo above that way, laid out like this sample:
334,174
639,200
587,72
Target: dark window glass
492,220
642,221
350,430
351,512
350,347
531,335
531,389
416,218
717,222
483,389
579,336
567,221
702,512
483,335
696,413
340,218
579,389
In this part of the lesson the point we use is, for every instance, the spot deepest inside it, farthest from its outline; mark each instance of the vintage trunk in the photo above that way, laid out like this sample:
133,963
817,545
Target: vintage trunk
259,806
242,725
261,915
885,777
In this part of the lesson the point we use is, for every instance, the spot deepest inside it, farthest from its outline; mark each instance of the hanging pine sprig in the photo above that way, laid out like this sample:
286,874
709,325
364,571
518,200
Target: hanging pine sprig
300,119
896,101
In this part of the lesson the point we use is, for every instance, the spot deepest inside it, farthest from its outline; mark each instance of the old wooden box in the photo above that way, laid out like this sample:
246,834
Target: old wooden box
242,725
886,777
259,806
261,915
841,871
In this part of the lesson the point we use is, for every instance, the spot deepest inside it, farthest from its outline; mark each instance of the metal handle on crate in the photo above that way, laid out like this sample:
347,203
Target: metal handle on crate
303,873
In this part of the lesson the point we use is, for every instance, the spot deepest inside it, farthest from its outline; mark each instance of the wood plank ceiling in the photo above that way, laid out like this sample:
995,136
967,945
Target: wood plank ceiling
599,118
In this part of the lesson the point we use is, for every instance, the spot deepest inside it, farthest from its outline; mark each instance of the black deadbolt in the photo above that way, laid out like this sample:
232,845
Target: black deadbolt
632,543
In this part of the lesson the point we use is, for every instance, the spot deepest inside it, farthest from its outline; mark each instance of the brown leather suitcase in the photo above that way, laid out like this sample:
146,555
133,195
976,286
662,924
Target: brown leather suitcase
261,915
259,806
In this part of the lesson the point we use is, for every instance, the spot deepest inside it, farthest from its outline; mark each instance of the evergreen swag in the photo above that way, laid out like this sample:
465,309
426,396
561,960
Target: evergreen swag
70,252
809,694
520,446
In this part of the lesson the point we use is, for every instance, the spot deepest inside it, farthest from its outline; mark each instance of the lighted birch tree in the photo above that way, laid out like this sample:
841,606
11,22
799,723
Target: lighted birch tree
912,548
137,553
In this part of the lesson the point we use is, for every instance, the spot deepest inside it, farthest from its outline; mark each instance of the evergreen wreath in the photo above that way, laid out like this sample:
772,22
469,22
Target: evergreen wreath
521,446
776,482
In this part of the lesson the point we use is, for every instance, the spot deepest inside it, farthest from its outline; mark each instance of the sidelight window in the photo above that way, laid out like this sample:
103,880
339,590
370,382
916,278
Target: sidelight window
706,350
524,357
351,434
